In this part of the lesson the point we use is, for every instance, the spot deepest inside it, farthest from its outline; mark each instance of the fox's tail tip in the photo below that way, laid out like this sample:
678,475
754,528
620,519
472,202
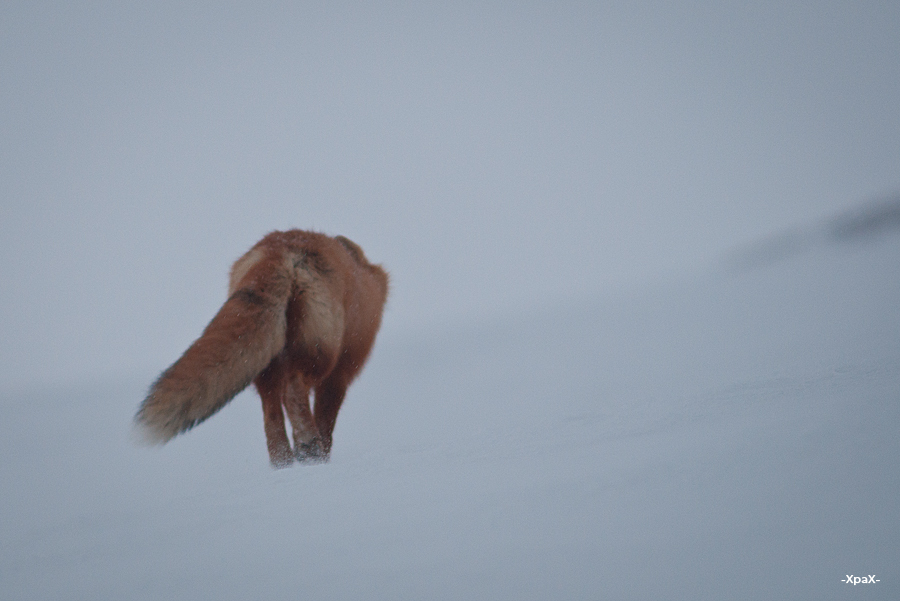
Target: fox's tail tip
145,434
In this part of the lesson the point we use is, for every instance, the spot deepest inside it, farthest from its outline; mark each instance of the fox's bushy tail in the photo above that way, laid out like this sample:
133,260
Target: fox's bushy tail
240,341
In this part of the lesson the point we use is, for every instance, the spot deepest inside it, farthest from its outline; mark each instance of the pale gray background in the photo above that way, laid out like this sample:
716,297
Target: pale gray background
496,157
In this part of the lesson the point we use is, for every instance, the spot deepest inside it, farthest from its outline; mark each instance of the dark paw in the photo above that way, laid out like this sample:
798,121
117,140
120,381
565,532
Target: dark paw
311,452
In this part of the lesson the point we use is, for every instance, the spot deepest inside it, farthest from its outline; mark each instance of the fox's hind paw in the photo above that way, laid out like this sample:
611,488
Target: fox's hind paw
311,452
281,461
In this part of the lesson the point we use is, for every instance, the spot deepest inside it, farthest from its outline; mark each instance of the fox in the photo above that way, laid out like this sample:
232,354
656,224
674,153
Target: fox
302,313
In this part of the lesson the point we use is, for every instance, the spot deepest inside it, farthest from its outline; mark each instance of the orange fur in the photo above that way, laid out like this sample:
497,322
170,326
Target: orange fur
302,314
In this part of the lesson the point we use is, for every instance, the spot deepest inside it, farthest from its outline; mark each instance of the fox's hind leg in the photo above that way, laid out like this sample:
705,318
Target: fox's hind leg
271,384
329,396
307,443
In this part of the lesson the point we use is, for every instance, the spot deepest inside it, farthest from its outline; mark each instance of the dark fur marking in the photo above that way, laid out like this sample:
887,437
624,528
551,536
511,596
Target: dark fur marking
249,296
314,259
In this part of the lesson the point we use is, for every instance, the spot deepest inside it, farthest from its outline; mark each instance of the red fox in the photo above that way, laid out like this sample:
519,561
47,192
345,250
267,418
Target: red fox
302,313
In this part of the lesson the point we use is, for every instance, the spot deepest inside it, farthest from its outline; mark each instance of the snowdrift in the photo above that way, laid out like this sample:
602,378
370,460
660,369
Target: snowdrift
728,436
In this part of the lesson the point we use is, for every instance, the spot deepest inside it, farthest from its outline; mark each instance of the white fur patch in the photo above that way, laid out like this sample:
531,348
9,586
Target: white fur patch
144,435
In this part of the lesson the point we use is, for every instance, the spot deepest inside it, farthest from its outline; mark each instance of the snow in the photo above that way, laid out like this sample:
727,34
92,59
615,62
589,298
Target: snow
729,435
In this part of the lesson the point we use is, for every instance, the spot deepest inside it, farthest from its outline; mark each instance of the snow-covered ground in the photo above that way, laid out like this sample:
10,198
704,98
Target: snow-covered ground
732,435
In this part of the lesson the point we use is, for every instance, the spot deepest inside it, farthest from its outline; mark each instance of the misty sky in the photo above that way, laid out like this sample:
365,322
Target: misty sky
496,157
